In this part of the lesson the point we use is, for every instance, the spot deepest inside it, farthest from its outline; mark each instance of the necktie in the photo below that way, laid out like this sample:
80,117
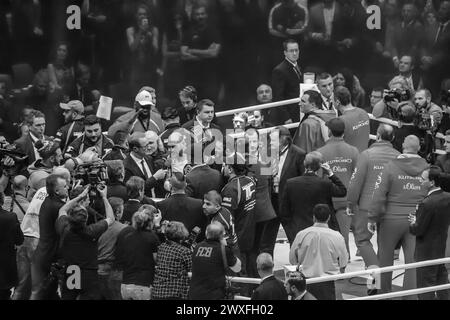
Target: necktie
297,71
143,169
330,104
441,27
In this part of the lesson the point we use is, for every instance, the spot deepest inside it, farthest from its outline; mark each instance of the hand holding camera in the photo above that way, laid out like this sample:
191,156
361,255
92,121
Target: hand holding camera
102,191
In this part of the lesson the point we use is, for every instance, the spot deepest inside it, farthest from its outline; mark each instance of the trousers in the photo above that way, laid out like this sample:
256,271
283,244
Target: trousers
363,237
24,256
393,231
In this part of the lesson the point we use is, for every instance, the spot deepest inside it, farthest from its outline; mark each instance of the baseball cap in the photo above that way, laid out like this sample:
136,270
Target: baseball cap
74,105
336,125
144,98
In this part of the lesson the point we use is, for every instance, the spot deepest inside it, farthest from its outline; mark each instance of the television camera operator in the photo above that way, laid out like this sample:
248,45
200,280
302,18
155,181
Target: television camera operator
398,92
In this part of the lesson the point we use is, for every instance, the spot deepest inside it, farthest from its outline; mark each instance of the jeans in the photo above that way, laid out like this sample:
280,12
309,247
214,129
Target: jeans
135,292
24,255
110,281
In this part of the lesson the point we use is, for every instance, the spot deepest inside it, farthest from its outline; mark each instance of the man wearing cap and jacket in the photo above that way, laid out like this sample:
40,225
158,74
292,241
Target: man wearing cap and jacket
73,112
142,119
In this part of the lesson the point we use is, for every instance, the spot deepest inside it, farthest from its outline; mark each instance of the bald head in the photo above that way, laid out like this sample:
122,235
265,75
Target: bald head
411,144
264,93
215,231
385,132
20,183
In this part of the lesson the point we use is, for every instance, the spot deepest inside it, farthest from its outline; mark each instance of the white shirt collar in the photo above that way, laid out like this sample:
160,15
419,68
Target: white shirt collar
294,64
434,190
201,124
33,137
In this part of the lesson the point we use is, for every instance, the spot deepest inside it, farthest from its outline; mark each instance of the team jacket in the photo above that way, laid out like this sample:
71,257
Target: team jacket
398,189
239,197
342,158
81,144
75,128
370,164
226,219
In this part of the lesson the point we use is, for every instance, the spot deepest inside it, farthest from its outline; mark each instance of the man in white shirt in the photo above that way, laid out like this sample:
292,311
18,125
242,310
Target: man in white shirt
321,251
30,229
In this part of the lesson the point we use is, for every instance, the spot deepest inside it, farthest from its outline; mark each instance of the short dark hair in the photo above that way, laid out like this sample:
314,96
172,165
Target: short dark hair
90,120
322,212
134,186
35,114
115,203
120,137
288,41
169,113
378,89
203,103
323,76
314,97
343,95
178,181
51,182
434,174
299,283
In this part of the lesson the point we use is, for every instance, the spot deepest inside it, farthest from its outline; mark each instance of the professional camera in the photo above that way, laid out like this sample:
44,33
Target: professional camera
425,121
191,240
8,150
396,95
94,173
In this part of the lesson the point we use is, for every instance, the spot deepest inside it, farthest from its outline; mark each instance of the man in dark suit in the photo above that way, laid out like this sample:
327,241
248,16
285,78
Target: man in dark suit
286,79
25,144
139,163
270,288
202,179
135,194
289,165
430,226
10,236
180,207
303,193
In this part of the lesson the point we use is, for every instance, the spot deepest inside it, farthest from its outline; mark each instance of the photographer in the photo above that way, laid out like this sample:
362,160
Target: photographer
142,119
399,91
133,248
79,243
92,138
210,262
407,126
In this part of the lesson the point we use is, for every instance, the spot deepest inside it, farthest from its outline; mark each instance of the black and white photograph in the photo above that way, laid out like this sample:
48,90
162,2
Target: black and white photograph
224,155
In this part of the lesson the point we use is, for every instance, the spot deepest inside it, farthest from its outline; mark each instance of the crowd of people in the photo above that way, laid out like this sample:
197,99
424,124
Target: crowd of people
164,200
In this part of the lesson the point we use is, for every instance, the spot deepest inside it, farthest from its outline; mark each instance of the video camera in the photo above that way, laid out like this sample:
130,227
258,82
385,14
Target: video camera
94,174
396,95
8,150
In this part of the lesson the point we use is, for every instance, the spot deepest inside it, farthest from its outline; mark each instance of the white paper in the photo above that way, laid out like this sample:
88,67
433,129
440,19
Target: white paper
105,108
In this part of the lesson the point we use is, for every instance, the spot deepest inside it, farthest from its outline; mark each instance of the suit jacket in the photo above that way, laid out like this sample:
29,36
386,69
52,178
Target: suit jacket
317,22
286,85
431,227
10,236
201,180
132,170
189,211
293,167
117,189
270,289
26,146
131,206
302,194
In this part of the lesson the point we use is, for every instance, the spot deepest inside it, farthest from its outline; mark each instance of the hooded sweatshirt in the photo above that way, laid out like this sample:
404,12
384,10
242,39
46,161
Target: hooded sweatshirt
399,188
370,164
312,132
